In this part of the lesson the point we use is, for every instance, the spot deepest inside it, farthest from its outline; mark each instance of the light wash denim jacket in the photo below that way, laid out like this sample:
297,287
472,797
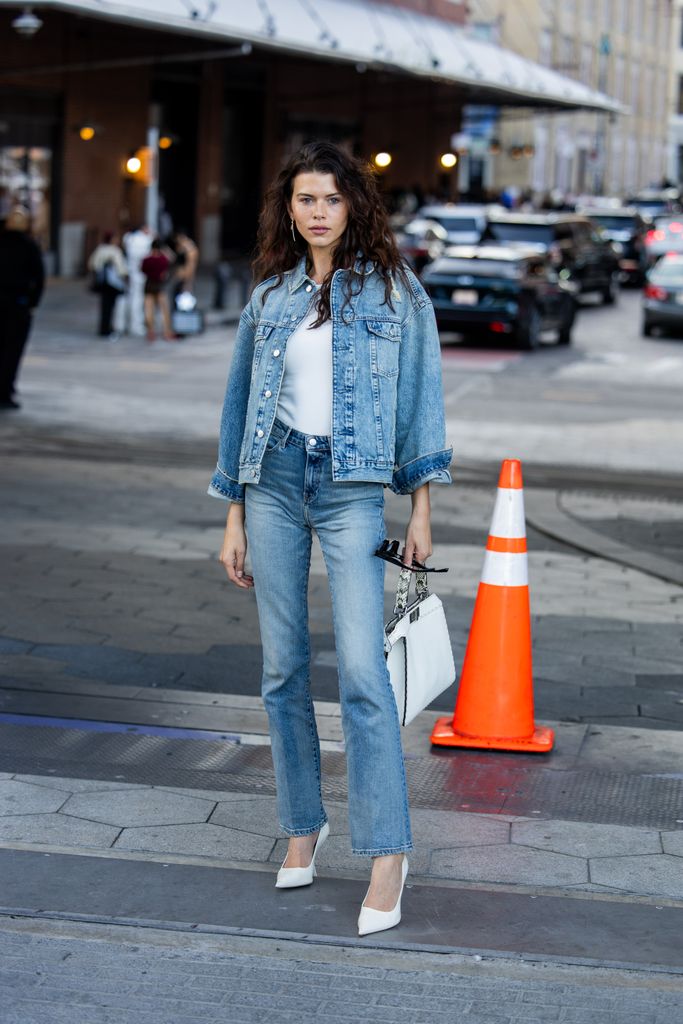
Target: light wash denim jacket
387,411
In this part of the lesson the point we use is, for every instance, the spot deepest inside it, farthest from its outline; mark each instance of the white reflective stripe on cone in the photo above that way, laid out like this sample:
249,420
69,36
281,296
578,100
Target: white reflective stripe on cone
505,569
508,514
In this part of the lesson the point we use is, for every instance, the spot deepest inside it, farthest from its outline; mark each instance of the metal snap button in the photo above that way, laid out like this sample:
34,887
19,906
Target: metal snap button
309,287
293,316
312,441
276,352
259,433
268,394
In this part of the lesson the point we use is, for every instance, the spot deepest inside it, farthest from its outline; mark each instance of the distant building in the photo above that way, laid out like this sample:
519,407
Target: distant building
675,155
619,47
229,90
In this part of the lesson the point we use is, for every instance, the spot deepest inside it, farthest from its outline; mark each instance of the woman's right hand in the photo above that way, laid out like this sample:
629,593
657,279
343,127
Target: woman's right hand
234,549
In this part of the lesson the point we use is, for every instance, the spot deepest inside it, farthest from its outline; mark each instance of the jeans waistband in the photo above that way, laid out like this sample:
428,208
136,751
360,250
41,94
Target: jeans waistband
310,442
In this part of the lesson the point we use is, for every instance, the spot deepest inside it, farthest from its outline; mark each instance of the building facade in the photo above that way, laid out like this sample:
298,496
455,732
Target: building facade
620,47
85,96
675,154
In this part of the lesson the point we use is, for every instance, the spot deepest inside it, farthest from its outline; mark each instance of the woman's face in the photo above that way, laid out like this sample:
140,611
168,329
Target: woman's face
319,210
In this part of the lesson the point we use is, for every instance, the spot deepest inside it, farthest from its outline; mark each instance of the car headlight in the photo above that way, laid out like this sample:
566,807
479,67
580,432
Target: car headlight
618,248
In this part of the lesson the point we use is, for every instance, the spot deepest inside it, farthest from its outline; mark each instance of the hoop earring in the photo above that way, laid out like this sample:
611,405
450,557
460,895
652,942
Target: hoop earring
293,231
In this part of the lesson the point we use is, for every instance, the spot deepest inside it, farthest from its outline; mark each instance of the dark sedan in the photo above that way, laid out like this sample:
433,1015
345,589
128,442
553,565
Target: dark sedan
626,229
513,292
577,248
663,296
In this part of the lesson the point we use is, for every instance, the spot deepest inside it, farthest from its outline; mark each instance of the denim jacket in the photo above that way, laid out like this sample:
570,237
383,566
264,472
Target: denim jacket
387,409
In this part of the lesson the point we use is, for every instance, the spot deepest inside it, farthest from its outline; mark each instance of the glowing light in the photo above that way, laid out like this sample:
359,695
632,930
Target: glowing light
675,226
448,160
87,132
165,142
133,164
383,159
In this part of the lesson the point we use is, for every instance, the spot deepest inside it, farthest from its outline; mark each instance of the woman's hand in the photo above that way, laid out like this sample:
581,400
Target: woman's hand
419,533
234,549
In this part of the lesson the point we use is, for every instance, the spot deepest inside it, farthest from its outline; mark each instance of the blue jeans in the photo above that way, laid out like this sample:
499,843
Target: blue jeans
296,495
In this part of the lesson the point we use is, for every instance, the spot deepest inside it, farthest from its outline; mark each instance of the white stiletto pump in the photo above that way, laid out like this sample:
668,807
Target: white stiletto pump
291,878
370,920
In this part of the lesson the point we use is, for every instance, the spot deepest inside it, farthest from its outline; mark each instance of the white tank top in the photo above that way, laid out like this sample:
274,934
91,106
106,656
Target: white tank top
305,399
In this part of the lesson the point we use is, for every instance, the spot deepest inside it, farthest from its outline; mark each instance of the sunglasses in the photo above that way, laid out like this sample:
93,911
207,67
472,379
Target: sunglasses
389,551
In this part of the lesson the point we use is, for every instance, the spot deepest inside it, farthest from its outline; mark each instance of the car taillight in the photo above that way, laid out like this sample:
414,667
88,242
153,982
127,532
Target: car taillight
653,291
675,226
655,236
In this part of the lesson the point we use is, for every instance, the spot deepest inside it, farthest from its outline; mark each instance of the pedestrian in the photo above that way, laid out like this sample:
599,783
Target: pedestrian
22,278
136,245
334,392
155,268
186,260
108,264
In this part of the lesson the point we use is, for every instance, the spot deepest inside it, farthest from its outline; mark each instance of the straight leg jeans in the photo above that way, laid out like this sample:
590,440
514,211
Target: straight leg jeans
295,496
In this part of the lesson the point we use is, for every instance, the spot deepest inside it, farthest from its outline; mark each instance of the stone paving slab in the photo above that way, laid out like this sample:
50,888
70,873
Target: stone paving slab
459,846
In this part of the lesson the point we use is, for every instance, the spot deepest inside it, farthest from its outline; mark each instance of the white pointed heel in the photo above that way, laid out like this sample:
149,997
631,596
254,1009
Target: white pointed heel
292,878
370,920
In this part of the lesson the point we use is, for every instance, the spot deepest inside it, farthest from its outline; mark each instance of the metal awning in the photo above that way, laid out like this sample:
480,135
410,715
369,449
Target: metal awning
368,34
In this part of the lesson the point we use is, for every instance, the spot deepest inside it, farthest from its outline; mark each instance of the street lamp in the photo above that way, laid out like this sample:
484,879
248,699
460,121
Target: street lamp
448,160
382,159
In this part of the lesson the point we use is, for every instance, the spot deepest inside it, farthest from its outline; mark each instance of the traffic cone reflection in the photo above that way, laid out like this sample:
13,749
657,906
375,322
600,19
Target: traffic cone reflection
495,704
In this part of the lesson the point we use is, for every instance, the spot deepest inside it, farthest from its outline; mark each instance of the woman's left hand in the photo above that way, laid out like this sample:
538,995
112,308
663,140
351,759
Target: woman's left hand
419,533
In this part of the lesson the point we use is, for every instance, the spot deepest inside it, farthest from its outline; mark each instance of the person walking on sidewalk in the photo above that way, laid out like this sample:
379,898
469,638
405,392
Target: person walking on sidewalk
109,266
22,278
136,245
334,392
156,267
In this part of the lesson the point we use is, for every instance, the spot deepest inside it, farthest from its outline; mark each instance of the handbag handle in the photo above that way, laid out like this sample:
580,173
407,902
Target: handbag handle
403,588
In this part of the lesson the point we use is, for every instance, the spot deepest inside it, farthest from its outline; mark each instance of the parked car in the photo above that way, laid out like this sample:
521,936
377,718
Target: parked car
421,241
655,202
464,223
665,236
578,249
663,296
626,229
512,291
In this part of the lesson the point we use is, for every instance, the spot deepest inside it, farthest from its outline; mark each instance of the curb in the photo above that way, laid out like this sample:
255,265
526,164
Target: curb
546,515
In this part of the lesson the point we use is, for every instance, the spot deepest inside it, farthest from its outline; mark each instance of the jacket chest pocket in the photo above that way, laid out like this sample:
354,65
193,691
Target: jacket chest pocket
263,332
385,337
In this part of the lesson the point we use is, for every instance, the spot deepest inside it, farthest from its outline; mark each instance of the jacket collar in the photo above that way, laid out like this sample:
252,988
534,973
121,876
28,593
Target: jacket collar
298,276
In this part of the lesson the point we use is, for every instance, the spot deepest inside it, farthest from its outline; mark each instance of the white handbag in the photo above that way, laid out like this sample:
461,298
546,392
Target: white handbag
417,647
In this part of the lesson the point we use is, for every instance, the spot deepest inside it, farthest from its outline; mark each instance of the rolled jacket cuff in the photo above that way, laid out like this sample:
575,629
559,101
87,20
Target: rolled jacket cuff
223,486
432,468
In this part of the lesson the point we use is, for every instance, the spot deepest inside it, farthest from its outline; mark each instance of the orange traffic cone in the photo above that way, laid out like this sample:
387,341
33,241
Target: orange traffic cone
495,705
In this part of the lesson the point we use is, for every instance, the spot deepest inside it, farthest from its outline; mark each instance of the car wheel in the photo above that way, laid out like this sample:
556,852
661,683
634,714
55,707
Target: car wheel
528,335
611,292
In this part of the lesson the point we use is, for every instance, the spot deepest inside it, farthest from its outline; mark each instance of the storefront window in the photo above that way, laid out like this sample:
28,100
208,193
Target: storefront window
25,179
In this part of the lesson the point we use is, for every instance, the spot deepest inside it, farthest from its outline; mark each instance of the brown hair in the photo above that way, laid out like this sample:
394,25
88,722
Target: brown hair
367,234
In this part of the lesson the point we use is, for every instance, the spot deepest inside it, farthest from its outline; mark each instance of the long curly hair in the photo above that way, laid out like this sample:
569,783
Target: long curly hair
367,234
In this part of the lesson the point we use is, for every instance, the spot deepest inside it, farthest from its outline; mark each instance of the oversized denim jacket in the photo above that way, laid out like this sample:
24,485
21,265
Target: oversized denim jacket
387,410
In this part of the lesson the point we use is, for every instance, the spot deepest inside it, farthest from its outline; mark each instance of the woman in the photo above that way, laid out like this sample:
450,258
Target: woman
334,392
108,264
155,267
